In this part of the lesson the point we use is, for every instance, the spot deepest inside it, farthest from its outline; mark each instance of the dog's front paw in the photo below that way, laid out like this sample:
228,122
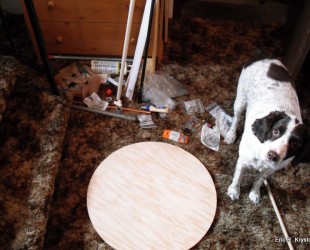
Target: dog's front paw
254,196
230,137
233,192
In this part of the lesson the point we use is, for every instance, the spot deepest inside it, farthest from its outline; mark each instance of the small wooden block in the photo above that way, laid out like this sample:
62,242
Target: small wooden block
151,195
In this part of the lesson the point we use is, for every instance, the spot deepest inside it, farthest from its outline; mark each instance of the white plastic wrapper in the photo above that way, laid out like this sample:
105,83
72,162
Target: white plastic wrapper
95,102
223,121
213,108
210,137
146,121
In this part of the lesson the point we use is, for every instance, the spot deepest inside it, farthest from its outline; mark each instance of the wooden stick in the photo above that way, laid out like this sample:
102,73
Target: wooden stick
125,48
115,107
166,20
161,28
275,207
131,110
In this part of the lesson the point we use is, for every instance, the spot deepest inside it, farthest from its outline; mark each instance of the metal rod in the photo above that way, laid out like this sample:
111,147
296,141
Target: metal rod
101,112
146,48
81,57
41,45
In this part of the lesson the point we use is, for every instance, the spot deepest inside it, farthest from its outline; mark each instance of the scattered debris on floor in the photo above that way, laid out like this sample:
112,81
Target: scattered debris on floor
95,86
79,80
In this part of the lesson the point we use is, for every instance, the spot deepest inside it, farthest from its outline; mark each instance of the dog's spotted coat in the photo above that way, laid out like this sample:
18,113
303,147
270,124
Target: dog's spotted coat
274,135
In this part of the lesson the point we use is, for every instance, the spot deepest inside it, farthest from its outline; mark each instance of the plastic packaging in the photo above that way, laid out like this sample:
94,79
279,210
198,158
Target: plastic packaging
175,136
193,125
213,108
210,137
146,121
194,106
154,109
107,67
95,102
223,121
160,99
164,83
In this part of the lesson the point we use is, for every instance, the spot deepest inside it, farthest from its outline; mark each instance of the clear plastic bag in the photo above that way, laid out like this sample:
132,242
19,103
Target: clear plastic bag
223,121
160,99
194,106
193,125
210,137
164,83
146,121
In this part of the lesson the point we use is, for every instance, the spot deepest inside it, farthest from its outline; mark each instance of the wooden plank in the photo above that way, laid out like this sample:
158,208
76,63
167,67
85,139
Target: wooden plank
86,27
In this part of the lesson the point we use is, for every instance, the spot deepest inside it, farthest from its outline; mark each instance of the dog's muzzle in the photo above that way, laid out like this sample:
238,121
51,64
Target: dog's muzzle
273,156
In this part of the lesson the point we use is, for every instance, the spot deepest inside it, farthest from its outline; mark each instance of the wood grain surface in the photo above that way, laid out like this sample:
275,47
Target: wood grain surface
151,195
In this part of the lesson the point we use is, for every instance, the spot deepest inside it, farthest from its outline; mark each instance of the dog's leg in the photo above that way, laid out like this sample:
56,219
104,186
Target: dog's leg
234,188
255,191
239,106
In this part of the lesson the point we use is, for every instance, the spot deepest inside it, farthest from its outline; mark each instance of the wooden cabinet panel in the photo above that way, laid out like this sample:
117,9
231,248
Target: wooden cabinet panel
115,11
88,38
93,27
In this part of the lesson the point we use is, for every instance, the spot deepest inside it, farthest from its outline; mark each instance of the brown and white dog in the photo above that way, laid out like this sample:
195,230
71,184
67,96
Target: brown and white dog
274,135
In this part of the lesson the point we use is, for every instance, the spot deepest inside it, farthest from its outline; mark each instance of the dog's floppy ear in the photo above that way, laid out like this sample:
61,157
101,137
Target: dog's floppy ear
303,155
261,127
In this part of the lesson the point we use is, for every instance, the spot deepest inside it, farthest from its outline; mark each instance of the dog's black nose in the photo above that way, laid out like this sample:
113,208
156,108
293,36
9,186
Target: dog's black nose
272,156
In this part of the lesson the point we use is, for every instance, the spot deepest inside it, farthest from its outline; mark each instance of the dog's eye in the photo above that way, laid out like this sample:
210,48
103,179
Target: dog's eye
276,132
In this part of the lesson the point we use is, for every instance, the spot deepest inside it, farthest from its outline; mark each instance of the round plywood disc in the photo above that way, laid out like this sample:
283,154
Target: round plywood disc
151,195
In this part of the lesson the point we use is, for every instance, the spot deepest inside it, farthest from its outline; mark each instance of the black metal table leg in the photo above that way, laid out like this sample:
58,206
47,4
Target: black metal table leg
41,45
12,49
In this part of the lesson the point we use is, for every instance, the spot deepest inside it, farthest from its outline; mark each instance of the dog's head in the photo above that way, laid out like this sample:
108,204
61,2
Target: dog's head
283,137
